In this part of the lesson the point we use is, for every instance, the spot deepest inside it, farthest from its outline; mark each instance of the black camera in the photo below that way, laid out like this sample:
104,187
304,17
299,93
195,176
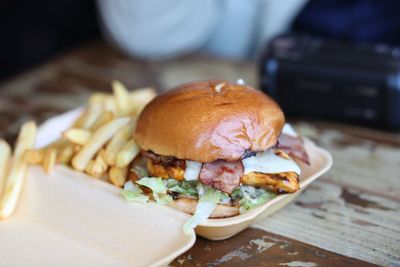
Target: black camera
310,76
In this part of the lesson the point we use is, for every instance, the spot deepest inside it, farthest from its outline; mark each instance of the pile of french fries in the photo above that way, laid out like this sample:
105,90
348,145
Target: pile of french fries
100,143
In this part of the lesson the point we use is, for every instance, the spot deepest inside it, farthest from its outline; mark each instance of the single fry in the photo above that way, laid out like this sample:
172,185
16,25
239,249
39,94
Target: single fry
77,148
58,143
88,117
77,136
66,153
117,142
15,179
98,140
89,170
81,120
141,97
100,166
109,105
34,156
98,98
128,152
5,153
49,159
121,97
118,175
102,119
94,112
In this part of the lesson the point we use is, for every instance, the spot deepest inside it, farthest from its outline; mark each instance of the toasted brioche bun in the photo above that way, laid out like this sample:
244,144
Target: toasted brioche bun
188,205
209,120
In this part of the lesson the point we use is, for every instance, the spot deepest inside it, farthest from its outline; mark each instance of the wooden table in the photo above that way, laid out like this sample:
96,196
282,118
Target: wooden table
349,216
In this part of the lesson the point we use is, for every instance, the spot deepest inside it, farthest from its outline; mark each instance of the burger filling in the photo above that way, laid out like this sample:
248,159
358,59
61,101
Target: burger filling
273,170
248,182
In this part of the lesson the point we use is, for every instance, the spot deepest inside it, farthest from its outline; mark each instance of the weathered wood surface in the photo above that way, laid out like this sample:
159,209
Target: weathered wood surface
254,247
354,210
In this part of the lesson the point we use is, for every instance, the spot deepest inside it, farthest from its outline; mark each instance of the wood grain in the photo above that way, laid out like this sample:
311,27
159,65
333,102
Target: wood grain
254,247
354,209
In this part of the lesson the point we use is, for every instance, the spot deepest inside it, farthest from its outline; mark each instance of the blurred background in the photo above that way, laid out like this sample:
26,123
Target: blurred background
334,59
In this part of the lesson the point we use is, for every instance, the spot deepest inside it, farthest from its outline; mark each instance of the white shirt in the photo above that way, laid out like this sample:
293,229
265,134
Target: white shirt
159,29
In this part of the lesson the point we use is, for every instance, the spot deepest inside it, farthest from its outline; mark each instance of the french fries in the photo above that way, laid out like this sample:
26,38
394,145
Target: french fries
109,105
5,153
98,98
118,175
141,97
128,152
66,153
117,142
77,136
122,100
34,156
99,143
121,97
98,166
88,117
49,159
17,172
89,169
98,140
102,119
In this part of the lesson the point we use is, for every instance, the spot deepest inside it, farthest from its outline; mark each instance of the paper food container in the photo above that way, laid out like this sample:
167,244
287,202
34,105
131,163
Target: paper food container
67,218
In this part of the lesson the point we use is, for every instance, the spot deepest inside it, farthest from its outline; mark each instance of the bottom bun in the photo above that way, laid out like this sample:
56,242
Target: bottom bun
188,205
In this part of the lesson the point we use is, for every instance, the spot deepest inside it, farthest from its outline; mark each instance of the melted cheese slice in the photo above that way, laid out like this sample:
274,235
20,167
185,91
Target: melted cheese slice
192,170
264,162
268,162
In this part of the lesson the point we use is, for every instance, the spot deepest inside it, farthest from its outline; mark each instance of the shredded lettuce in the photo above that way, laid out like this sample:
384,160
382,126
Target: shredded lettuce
190,188
208,200
133,193
251,197
187,188
163,199
248,197
159,189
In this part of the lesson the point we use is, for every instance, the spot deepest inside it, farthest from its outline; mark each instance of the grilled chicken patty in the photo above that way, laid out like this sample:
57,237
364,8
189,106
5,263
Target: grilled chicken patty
223,175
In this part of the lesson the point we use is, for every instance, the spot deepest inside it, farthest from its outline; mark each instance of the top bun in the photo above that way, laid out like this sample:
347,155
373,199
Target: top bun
209,120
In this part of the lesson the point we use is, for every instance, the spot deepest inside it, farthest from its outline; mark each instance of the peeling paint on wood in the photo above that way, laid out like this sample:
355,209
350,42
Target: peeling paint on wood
261,244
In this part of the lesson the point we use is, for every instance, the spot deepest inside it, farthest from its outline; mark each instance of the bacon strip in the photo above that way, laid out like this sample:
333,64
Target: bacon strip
293,146
222,175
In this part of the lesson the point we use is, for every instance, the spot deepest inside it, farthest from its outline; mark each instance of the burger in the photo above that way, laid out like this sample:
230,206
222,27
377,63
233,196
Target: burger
213,149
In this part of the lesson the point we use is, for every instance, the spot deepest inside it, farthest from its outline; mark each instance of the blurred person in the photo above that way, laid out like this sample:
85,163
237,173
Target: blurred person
154,29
